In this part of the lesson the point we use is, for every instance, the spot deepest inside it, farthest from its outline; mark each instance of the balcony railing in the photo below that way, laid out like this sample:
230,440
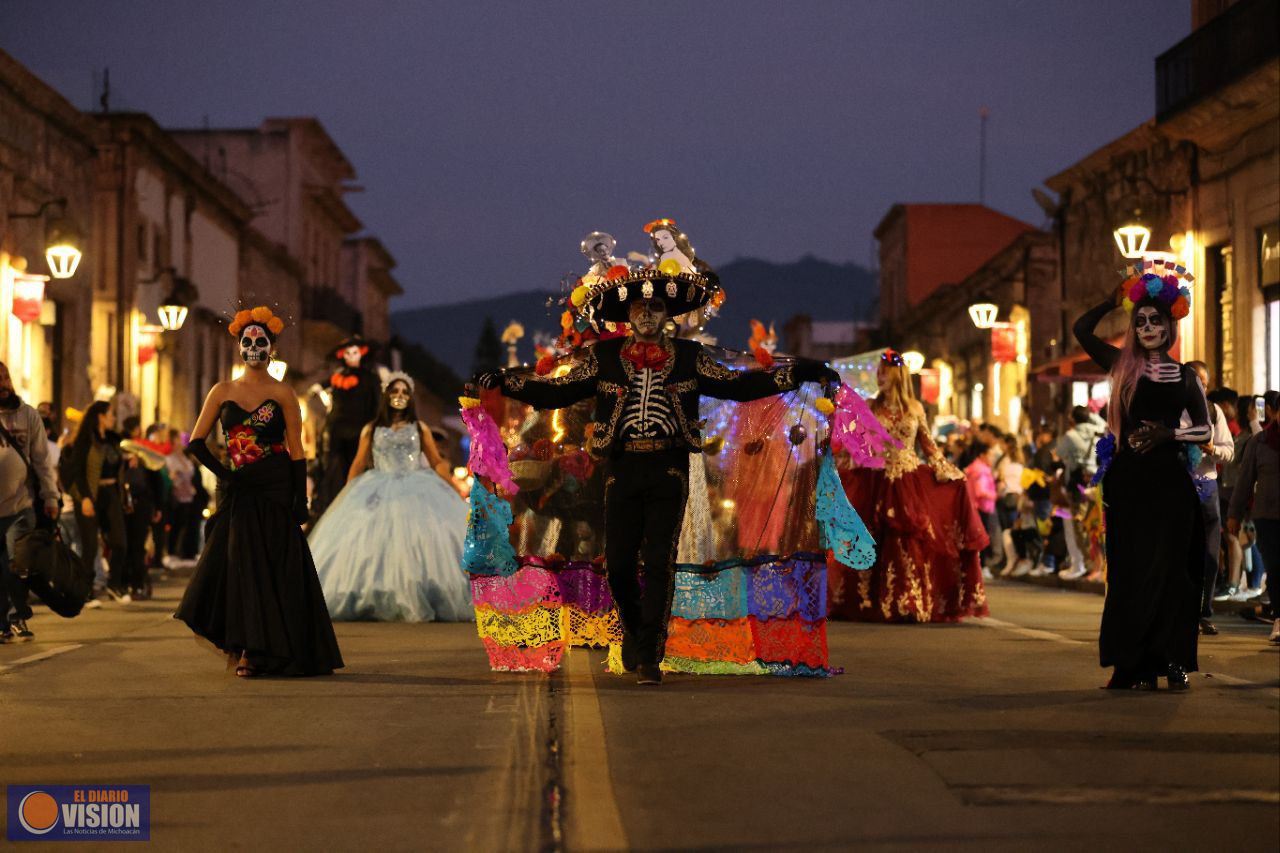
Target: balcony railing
327,305
1220,52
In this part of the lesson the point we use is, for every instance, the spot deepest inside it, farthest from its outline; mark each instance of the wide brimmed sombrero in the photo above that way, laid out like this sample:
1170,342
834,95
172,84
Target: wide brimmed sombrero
682,292
353,341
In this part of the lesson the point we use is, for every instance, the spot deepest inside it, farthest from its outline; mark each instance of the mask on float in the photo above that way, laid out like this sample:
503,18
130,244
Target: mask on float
1151,326
351,356
255,346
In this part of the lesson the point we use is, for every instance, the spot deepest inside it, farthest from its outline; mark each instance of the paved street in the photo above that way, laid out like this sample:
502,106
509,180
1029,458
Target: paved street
988,736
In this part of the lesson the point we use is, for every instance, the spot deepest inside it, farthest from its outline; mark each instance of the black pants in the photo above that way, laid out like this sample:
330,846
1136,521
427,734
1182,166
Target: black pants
13,592
337,464
137,525
184,530
107,520
644,502
1212,547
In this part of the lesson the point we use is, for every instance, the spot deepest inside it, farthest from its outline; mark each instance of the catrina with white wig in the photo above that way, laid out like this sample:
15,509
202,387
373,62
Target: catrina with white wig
389,547
1155,536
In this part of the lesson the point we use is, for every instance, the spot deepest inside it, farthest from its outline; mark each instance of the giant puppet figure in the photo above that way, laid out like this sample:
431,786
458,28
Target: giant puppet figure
647,386
355,392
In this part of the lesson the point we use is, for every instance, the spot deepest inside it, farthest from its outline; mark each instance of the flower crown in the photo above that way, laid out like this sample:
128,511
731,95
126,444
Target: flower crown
397,376
260,316
892,357
659,223
1159,280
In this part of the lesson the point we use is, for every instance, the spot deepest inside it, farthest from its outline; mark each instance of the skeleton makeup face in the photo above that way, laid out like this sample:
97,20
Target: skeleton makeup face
255,346
351,356
399,396
646,316
1151,327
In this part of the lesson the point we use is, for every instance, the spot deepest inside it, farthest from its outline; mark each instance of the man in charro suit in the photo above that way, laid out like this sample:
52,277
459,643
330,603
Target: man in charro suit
647,387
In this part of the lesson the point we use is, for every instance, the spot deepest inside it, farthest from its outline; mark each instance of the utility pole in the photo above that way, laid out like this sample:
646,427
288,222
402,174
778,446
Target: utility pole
983,112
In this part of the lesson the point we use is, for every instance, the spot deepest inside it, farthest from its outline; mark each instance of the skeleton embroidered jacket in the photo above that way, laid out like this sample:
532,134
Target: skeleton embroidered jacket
647,403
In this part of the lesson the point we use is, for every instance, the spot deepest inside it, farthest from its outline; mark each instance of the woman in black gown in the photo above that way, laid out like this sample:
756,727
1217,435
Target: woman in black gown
255,594
1155,549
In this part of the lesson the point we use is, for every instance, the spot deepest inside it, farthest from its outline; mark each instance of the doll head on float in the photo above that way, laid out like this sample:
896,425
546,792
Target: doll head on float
256,330
669,242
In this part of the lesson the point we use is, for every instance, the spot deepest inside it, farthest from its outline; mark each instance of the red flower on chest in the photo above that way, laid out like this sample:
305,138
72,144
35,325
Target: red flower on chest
344,381
645,356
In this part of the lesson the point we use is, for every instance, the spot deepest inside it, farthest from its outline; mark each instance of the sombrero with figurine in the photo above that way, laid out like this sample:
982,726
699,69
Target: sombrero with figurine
610,300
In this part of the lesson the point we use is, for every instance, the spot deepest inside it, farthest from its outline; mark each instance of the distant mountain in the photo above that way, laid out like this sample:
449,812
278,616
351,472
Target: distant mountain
763,290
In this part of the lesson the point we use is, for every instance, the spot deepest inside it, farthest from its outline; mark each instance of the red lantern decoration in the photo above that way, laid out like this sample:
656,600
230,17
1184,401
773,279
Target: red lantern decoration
930,385
1004,343
28,297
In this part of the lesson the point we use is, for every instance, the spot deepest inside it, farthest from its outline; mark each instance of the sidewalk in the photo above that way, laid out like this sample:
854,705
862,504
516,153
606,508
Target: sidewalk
1098,587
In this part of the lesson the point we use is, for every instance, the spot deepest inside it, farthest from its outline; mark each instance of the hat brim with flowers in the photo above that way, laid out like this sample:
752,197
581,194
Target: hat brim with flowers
1158,282
609,300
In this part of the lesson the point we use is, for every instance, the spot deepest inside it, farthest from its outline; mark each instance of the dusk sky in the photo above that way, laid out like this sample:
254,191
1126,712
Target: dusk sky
489,137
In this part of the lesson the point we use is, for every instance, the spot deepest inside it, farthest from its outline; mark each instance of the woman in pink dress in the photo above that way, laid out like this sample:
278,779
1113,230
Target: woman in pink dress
927,531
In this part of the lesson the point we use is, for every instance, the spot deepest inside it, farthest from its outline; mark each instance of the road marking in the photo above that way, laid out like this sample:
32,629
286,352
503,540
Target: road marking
45,655
1161,795
1031,633
594,820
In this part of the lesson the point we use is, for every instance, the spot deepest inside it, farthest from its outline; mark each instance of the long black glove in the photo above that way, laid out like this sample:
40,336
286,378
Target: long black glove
298,482
200,450
488,379
810,370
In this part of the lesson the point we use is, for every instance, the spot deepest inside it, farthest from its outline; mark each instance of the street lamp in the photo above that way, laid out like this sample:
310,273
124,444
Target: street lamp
983,314
172,316
913,360
173,310
61,239
1132,238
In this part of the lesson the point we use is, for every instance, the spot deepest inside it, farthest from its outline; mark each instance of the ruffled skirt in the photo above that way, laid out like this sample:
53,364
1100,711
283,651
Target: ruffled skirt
929,540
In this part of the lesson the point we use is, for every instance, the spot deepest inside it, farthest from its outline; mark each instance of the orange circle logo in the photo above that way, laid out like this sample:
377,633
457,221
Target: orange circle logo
38,812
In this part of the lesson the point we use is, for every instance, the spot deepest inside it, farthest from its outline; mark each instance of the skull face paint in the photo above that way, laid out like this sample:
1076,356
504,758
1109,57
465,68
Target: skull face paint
398,396
1151,327
351,356
255,346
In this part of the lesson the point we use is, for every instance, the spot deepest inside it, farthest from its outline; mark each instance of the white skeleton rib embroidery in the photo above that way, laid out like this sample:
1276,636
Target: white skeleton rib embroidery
647,412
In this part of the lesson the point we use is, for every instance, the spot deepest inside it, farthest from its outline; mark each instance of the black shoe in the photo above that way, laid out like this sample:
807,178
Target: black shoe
648,673
6,636
22,631
630,659
1207,628
1178,678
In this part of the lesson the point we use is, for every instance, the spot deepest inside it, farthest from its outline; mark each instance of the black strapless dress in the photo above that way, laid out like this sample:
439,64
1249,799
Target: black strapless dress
255,589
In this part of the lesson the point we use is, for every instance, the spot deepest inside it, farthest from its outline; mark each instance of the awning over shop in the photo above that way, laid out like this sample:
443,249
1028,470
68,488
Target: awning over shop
1079,367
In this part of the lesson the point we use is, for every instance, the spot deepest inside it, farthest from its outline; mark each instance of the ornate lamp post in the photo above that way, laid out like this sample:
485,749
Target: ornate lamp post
983,314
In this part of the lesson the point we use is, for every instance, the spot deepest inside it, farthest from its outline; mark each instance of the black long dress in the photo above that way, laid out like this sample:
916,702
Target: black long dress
255,589
1155,537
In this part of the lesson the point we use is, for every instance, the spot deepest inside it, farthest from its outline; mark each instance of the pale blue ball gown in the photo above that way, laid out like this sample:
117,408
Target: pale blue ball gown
389,548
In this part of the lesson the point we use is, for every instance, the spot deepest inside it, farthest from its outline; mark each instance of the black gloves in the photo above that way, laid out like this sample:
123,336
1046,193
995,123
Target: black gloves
810,370
200,450
298,484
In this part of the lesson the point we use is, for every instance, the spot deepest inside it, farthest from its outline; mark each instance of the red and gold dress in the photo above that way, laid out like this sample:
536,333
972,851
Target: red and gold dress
928,535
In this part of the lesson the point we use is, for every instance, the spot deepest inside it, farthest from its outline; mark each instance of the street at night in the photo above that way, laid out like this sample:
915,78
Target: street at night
990,735
721,426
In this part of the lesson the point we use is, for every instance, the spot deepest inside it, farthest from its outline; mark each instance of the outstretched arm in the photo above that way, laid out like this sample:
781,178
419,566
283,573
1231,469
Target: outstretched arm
1099,350
552,392
429,450
716,380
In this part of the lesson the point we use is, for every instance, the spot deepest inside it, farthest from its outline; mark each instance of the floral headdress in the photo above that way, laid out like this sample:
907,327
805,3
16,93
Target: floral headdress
259,316
397,376
658,224
893,358
1160,281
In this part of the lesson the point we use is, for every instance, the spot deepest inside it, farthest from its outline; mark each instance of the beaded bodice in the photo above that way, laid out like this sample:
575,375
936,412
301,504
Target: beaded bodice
397,451
904,426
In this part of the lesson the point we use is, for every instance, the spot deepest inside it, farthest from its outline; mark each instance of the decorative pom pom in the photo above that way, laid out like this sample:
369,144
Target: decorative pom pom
1186,294
1181,308
243,317
579,295
1154,285
616,272
1137,291
670,267
1171,280
545,365
261,314
825,406
1128,304
468,402
276,325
